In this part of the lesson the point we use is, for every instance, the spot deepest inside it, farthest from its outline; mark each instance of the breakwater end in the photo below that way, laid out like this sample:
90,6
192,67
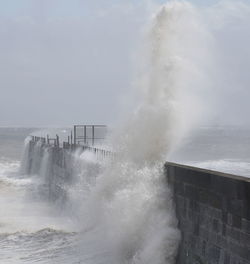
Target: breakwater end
56,162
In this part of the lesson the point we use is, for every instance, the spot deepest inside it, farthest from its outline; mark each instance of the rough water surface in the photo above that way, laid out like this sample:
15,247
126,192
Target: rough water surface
33,230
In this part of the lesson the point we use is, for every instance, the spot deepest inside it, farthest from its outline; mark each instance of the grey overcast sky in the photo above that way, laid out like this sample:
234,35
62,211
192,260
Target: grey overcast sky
64,62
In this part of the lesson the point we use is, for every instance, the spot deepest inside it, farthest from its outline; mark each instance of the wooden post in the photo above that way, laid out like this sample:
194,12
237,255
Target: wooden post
85,135
57,140
93,135
74,135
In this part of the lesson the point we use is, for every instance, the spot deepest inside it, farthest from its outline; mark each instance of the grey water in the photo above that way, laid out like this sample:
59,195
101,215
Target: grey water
225,149
33,230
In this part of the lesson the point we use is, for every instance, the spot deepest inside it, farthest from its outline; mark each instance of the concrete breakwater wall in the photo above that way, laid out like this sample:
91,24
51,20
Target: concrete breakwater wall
213,210
52,164
58,167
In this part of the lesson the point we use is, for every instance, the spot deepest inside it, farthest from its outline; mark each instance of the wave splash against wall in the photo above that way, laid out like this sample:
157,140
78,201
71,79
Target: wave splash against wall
123,207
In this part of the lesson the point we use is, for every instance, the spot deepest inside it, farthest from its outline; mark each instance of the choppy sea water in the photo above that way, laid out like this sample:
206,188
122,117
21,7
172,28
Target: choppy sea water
34,230
31,229
225,149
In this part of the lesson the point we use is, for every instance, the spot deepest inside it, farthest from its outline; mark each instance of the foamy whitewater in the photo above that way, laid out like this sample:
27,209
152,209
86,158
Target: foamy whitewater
120,210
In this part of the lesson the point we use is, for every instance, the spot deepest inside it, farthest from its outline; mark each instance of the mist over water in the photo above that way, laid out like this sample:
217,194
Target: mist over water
120,211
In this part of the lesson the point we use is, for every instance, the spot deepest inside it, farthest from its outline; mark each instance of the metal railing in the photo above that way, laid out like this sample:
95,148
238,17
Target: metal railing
88,134
77,141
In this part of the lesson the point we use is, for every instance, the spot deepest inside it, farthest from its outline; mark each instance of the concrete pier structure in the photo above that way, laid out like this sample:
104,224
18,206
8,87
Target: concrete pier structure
213,210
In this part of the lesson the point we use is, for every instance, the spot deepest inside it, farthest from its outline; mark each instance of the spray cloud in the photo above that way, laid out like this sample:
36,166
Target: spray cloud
131,204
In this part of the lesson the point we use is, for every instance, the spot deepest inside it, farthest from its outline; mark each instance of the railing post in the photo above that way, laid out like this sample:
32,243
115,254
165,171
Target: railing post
93,135
57,141
74,135
85,135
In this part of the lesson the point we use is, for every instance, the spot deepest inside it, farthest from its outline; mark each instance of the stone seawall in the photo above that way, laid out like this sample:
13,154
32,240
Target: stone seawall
213,210
53,165
60,168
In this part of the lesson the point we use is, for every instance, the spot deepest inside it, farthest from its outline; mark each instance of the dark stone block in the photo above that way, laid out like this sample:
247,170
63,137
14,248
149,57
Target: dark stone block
224,229
244,191
179,188
246,210
194,205
215,225
196,226
216,201
245,239
246,226
191,192
224,217
204,220
233,233
221,241
204,247
239,251
192,177
210,198
241,190
235,207
179,211
224,186
193,240
170,172
197,259
237,221
204,234
204,197
214,254
227,258
217,213
229,219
